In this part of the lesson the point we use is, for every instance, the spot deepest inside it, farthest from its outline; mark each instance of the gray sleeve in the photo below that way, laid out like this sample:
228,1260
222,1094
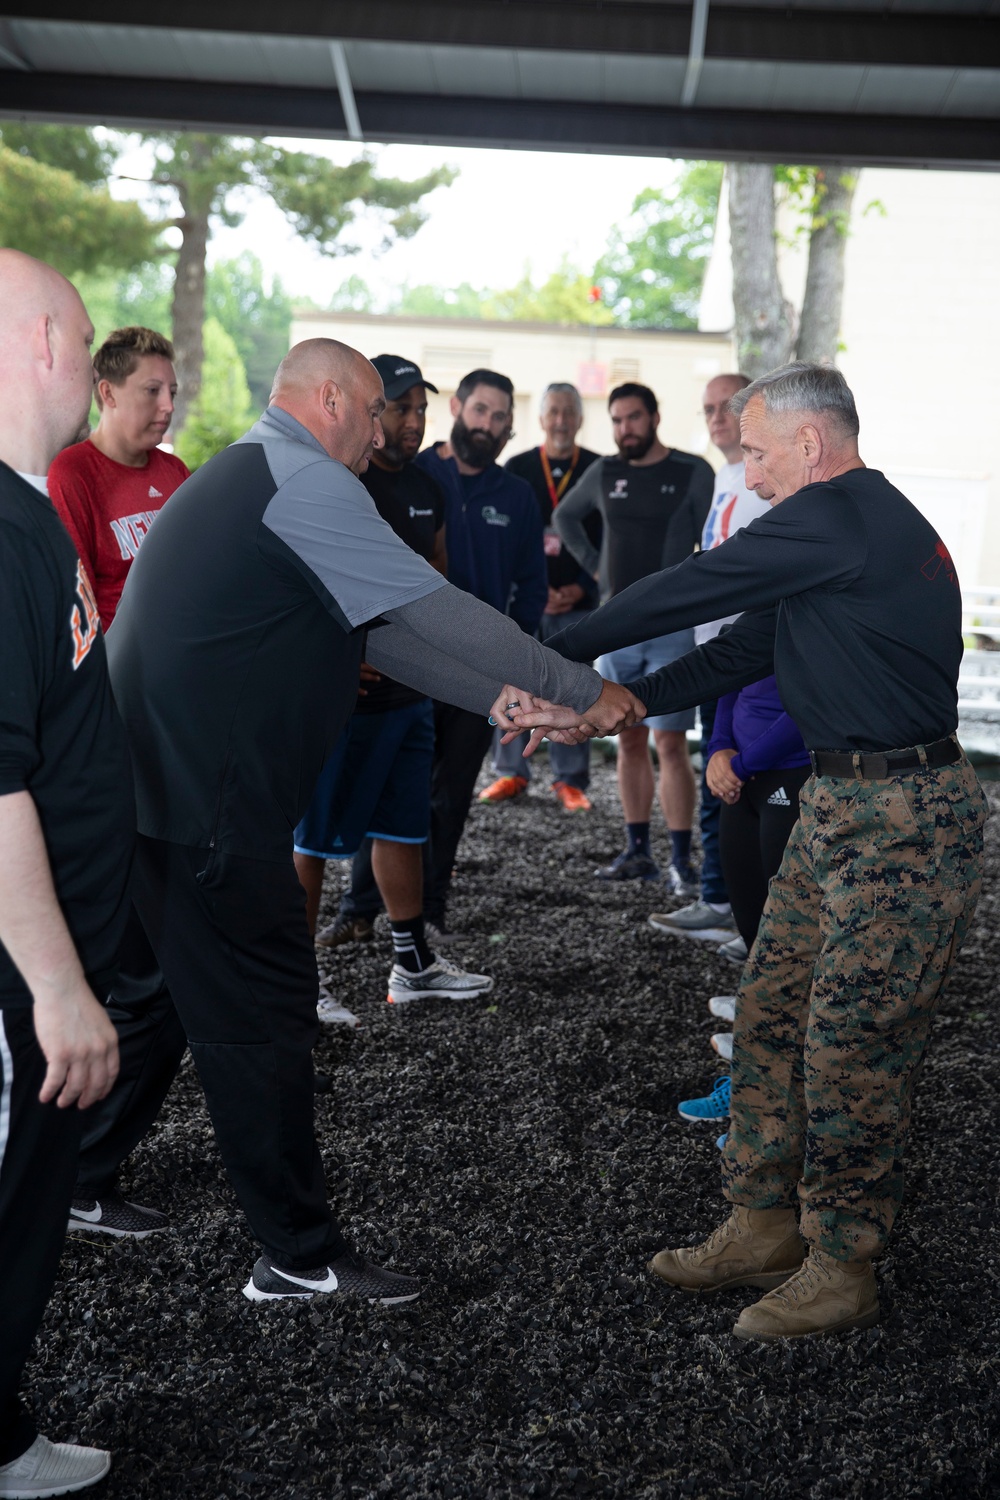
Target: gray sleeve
571,512
452,646
324,514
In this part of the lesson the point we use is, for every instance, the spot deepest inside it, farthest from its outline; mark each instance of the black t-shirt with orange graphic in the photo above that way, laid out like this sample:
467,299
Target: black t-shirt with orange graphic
60,735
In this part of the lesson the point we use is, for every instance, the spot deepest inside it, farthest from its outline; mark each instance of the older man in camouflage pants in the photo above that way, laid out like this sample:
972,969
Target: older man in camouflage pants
853,601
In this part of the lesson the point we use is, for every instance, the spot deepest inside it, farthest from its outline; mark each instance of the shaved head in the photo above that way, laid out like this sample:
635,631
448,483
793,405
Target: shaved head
46,376
308,364
337,395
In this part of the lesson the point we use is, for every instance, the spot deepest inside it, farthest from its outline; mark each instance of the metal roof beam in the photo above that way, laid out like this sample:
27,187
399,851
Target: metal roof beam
546,126
345,89
837,34
696,52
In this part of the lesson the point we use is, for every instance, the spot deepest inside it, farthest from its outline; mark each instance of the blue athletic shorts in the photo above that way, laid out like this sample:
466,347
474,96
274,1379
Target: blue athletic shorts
631,662
375,784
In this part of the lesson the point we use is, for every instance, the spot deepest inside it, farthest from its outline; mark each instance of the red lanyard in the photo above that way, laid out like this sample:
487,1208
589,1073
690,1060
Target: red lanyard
555,495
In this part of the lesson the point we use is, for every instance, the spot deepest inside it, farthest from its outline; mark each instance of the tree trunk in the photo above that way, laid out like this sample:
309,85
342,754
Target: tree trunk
189,285
764,320
819,326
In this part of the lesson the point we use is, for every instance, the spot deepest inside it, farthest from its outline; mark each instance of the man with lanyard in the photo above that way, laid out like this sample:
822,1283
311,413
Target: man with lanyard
853,601
551,469
372,802
653,501
733,507
496,553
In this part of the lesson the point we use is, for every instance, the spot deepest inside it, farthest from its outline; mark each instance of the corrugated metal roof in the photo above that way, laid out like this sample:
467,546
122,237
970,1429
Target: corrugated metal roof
850,75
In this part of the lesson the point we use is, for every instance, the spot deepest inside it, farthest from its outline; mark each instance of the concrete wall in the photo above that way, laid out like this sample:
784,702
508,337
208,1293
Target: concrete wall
921,334
675,365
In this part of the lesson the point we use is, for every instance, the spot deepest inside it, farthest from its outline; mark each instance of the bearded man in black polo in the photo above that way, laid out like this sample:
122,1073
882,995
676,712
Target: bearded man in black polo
372,802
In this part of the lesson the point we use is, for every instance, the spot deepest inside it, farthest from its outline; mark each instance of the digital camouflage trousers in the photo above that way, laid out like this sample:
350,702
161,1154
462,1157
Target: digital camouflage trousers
874,896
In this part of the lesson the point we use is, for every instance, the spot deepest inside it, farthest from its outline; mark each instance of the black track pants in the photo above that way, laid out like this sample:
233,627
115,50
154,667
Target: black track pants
38,1150
753,833
461,739
231,937
151,1043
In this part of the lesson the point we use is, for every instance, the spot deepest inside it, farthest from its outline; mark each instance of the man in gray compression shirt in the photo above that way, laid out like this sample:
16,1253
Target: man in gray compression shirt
234,656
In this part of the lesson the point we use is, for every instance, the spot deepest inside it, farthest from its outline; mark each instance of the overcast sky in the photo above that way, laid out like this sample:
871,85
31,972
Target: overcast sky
505,209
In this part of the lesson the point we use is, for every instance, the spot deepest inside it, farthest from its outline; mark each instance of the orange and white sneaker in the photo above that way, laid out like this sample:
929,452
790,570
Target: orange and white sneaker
504,789
571,797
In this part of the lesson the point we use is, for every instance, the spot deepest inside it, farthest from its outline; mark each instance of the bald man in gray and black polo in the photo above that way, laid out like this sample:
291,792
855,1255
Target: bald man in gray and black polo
235,656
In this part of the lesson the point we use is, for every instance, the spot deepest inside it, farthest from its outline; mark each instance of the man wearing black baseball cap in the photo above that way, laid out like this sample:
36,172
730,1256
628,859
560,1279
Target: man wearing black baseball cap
373,798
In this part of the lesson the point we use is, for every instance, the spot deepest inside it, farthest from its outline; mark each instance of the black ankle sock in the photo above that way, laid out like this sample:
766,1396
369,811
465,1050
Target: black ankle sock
680,847
410,945
638,838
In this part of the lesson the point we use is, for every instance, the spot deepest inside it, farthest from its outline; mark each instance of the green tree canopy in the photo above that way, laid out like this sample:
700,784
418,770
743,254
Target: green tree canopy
49,212
258,319
566,296
652,271
70,148
206,173
224,408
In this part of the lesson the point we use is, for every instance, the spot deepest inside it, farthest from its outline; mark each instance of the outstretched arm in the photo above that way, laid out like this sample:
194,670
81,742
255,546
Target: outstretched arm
811,540
740,655
452,646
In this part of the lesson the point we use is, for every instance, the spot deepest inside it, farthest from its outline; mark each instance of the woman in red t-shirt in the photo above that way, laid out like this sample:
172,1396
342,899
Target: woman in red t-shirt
109,488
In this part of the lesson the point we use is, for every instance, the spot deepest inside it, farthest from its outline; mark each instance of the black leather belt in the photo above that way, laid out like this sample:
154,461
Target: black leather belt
877,765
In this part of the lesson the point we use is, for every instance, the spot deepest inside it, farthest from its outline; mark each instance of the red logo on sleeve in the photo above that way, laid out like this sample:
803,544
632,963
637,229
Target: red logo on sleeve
84,624
941,559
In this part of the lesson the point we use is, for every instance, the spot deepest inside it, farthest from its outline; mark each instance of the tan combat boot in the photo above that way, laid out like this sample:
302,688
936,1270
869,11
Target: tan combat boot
754,1247
825,1296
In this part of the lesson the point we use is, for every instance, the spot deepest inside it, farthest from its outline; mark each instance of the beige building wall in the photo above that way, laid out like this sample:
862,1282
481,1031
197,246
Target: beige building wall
675,365
921,331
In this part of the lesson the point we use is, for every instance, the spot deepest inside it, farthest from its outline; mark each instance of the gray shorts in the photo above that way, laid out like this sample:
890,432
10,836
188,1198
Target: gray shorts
630,662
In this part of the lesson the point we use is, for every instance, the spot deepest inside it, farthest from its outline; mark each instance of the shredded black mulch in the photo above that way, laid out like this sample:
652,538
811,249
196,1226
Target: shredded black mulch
524,1155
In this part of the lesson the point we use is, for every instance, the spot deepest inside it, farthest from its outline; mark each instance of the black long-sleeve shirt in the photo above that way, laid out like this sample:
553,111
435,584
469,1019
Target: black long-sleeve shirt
852,601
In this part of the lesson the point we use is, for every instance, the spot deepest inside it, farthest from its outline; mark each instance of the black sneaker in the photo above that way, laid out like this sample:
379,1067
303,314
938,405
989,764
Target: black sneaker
345,930
350,1276
110,1214
630,866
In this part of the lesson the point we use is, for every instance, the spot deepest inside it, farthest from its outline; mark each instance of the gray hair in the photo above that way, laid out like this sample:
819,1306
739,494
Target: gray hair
561,388
803,387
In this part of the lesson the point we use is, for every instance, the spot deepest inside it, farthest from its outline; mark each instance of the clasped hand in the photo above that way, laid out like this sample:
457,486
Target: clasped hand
616,709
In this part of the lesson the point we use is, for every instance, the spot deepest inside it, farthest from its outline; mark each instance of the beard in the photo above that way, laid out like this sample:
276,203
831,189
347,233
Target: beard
477,449
638,447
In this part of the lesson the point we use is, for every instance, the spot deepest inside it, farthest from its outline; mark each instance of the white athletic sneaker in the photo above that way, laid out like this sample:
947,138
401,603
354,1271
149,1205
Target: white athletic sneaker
440,980
52,1469
722,1041
332,1013
723,1007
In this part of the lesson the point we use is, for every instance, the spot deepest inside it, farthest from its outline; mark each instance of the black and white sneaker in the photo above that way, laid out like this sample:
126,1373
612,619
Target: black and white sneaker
441,980
350,1276
110,1214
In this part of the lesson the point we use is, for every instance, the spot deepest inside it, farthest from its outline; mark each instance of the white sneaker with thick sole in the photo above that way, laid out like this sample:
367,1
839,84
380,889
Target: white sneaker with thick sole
332,1013
723,1008
52,1469
722,1041
735,950
441,980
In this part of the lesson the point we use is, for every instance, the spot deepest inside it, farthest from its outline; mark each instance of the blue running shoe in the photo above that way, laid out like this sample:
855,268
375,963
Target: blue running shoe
714,1106
630,865
721,1142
